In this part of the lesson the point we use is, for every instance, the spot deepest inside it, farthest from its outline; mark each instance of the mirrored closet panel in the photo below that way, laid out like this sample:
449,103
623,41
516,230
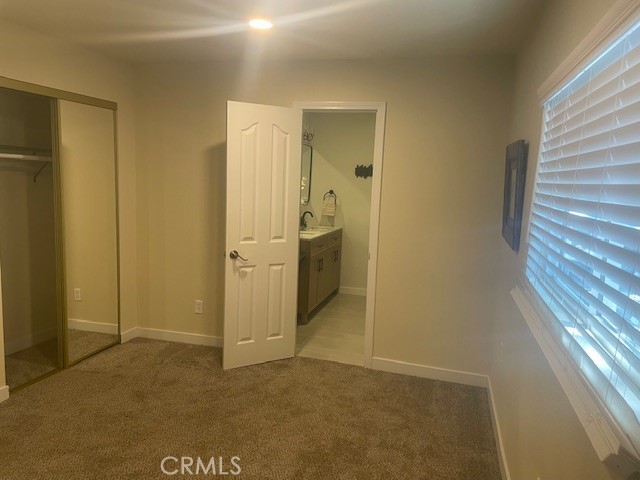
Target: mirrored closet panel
58,230
87,180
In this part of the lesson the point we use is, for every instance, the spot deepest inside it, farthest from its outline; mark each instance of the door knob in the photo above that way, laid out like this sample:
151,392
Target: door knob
233,254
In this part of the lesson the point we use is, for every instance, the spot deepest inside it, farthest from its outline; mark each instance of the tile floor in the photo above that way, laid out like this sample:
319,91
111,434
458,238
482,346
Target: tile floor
336,332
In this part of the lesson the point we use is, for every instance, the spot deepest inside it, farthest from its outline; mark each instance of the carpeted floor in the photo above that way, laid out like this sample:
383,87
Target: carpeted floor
119,413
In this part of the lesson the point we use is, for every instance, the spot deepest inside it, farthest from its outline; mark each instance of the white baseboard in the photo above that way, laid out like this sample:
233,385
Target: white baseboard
18,344
87,326
502,457
171,336
4,393
129,335
362,292
433,373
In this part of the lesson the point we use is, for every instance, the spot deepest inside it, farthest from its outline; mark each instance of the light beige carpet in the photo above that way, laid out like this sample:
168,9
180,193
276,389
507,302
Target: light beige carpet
119,413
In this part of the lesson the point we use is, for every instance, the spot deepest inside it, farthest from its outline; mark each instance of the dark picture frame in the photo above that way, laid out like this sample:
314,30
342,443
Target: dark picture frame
515,173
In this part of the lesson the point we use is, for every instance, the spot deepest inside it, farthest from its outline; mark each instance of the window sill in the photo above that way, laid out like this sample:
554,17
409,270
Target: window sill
608,441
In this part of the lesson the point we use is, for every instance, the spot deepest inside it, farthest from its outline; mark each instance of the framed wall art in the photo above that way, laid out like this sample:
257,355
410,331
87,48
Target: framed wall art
515,172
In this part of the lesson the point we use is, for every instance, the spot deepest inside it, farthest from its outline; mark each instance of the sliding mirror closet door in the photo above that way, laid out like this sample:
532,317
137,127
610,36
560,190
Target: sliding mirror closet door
29,267
90,238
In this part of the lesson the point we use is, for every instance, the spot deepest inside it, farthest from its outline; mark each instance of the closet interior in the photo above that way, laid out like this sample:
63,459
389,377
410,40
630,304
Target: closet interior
27,238
58,232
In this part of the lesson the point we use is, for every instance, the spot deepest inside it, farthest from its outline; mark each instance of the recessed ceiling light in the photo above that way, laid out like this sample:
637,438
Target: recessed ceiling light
260,24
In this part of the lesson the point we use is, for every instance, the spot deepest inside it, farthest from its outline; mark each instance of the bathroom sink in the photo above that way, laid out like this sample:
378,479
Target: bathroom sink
313,232
319,228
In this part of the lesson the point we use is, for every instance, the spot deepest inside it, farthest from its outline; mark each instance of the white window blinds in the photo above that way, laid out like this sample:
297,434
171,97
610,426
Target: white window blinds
583,256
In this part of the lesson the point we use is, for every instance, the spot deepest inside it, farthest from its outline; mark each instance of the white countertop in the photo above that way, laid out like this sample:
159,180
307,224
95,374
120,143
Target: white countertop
315,232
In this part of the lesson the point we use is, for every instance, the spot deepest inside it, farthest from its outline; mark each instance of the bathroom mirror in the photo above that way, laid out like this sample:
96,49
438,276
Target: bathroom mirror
89,210
305,174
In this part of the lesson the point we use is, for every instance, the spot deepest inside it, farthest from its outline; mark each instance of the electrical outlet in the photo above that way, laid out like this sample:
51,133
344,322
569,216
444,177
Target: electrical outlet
77,294
199,307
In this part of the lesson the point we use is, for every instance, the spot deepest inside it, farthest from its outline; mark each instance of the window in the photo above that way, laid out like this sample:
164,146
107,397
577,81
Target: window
583,259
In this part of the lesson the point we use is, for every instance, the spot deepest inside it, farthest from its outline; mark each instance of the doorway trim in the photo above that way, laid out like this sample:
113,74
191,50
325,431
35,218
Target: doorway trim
380,109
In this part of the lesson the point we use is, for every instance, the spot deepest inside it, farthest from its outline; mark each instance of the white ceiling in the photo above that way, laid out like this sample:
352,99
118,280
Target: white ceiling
169,30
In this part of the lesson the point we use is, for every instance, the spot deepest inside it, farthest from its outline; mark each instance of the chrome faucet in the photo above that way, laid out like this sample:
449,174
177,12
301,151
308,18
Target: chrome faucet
303,220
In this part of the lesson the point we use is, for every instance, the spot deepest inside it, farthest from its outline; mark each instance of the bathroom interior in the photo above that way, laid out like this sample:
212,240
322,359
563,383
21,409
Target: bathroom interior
58,231
335,207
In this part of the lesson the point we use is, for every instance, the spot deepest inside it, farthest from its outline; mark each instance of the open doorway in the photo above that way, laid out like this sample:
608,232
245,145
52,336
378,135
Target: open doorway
339,212
263,231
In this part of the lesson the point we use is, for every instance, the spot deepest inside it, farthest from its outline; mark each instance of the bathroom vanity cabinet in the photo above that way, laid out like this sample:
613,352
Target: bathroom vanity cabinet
319,274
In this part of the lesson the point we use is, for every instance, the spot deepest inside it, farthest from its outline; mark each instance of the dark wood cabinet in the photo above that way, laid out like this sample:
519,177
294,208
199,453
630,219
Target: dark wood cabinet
319,274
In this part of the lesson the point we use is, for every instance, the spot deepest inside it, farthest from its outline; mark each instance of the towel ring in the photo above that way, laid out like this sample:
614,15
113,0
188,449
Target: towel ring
330,192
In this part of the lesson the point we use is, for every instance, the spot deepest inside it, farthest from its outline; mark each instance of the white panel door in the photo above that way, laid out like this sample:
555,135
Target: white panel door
261,268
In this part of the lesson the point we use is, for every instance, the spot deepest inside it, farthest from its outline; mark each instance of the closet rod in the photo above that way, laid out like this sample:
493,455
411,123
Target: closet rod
11,152
22,156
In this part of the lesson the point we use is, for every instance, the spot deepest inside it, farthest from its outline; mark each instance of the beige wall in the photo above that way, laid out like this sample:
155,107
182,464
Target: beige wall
542,435
14,255
447,123
27,254
342,141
